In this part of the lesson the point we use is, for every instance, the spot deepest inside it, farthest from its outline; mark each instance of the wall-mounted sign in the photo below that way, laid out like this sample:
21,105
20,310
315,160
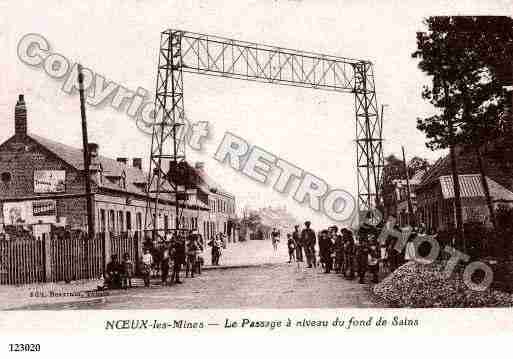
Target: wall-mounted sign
14,213
29,212
49,181
43,208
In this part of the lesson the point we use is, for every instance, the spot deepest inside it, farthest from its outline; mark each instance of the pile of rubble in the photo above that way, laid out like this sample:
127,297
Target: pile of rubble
419,285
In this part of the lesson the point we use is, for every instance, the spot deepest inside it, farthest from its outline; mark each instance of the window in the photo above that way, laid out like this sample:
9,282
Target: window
111,221
122,181
166,223
120,221
6,177
102,220
138,221
128,221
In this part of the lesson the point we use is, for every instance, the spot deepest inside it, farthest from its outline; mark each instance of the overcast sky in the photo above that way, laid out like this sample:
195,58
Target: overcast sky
312,129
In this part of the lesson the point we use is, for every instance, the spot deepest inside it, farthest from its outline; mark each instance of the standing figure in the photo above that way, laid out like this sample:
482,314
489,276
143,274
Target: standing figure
147,262
164,265
309,239
291,245
373,258
349,254
325,250
128,271
216,245
179,258
296,236
191,252
362,252
275,238
199,253
338,247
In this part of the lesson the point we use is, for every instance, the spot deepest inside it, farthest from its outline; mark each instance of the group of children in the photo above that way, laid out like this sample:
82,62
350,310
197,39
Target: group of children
181,251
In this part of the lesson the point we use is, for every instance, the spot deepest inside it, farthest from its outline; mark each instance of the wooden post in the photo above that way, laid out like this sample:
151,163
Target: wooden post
47,258
87,158
106,250
411,220
454,170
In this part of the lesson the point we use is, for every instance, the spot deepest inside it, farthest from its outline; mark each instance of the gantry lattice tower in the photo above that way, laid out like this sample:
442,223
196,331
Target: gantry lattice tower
182,51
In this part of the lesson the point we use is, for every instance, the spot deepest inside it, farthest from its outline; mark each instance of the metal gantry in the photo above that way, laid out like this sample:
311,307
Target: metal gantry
182,51
168,143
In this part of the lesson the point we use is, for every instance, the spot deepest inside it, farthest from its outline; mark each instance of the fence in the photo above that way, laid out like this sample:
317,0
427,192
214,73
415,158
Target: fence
21,261
63,258
75,258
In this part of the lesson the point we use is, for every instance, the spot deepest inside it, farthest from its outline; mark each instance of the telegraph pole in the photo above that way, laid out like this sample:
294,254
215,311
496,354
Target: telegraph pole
87,158
410,206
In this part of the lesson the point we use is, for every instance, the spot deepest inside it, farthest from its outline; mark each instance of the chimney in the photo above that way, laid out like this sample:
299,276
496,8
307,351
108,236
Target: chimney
20,117
122,160
137,162
200,165
93,150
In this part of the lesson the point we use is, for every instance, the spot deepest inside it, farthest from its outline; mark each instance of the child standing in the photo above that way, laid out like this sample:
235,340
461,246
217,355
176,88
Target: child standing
147,261
291,245
128,271
373,259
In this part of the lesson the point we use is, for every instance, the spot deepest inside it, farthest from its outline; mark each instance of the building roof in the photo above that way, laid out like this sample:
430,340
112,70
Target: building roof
440,167
500,170
470,187
208,182
112,170
418,176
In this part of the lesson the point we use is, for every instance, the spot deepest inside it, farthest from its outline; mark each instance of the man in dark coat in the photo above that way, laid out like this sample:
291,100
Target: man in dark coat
338,248
325,250
362,253
349,253
179,258
296,236
309,239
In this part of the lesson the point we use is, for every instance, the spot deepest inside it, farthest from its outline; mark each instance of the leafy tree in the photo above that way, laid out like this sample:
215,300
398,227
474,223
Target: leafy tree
393,170
466,58
416,164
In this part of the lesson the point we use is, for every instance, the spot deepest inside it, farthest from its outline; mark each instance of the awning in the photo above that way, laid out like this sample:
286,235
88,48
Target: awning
470,187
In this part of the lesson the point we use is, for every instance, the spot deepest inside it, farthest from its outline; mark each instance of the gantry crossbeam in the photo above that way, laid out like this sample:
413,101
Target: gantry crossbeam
182,51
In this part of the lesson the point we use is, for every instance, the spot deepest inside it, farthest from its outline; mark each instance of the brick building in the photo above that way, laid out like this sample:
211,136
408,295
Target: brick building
42,186
222,205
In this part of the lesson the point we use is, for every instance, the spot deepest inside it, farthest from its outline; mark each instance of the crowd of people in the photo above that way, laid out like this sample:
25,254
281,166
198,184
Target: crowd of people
354,255
182,252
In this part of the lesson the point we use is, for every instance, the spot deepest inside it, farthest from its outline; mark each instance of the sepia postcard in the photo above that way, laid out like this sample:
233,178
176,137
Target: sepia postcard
177,168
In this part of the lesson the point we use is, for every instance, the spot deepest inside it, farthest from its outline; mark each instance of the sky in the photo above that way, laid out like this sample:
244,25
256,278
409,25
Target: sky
312,129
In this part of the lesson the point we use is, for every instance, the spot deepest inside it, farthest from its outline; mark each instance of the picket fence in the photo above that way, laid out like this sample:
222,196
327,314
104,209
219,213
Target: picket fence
24,261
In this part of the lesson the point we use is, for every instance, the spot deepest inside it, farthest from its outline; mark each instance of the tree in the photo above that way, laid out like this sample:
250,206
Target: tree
417,164
394,170
465,57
